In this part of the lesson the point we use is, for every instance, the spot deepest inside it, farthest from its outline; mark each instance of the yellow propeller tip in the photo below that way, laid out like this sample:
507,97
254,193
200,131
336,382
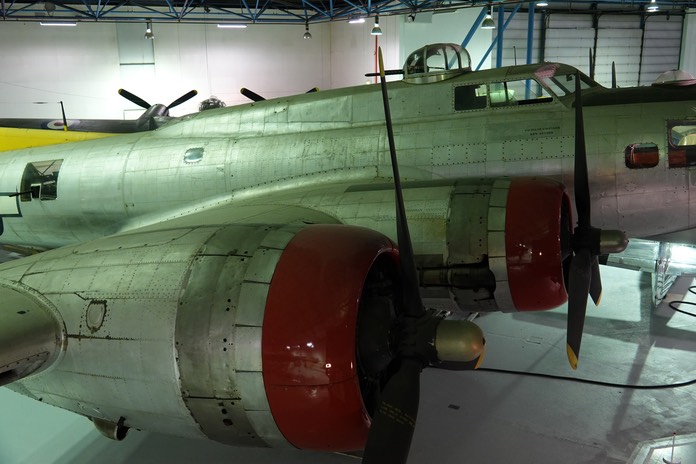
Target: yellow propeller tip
572,357
479,361
599,299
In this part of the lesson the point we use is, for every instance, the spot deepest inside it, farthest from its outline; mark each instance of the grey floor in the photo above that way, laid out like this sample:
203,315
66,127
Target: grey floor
500,414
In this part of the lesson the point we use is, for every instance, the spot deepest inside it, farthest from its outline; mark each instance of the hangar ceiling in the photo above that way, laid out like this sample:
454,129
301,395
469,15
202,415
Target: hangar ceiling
285,11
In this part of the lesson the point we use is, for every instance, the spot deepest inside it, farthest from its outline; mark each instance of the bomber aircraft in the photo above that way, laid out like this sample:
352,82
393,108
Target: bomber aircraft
235,274
153,117
17,133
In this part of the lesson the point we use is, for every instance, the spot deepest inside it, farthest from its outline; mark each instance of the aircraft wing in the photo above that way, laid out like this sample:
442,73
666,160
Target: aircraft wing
15,139
665,261
112,126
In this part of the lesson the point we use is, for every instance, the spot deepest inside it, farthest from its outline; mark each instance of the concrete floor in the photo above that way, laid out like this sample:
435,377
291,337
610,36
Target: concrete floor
623,404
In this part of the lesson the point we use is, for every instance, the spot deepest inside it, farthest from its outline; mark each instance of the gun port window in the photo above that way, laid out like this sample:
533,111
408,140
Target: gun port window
40,180
641,155
681,144
470,97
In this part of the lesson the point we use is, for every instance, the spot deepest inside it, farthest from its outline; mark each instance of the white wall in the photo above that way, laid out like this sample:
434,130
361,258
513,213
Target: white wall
78,65
82,65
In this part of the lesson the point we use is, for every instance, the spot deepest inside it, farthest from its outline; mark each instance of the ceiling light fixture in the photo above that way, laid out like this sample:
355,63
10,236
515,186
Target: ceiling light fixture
356,21
653,6
307,34
488,22
376,30
59,23
232,26
148,31
50,8
542,3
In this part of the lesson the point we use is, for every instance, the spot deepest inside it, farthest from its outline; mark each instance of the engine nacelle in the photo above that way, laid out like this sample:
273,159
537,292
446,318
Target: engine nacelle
246,334
242,334
481,245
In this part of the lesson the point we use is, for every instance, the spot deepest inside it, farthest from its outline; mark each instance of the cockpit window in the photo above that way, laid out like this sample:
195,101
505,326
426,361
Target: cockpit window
514,93
470,97
564,84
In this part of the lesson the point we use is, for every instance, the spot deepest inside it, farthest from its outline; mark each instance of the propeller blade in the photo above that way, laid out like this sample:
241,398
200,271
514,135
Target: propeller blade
133,98
580,276
613,74
392,427
412,304
582,188
596,283
312,90
184,98
251,95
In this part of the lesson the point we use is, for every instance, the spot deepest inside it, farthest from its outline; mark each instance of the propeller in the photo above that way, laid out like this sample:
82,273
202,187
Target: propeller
586,243
417,338
253,96
143,104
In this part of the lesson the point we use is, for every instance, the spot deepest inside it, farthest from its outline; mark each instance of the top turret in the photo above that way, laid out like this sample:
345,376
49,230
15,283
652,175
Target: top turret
436,62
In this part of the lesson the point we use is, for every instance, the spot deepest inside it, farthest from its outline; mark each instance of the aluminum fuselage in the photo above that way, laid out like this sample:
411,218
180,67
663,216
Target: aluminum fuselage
277,146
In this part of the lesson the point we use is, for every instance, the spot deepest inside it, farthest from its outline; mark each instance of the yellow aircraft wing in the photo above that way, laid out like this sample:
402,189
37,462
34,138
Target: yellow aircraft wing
15,139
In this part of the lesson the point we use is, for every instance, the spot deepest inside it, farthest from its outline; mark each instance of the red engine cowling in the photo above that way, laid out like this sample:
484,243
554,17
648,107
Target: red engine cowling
309,335
537,232
505,243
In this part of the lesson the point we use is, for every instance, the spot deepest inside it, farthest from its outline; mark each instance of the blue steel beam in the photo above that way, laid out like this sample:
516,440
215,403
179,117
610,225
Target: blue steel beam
501,30
474,27
499,41
288,11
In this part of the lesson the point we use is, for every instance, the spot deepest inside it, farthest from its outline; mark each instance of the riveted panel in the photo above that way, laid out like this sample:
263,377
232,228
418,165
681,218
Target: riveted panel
262,265
251,383
219,334
248,359
496,243
265,426
252,300
496,219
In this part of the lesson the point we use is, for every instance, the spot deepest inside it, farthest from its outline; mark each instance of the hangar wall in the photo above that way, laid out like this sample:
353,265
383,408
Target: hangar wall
85,65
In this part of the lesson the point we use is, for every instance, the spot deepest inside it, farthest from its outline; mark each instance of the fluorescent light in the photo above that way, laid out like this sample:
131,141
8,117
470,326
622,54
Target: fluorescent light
232,26
59,23
356,21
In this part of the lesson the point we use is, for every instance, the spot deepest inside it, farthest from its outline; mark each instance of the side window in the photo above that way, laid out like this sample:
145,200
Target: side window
641,155
470,97
521,92
681,143
40,180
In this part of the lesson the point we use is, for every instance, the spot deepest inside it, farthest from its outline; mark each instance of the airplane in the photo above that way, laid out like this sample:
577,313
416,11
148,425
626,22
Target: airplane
18,133
242,275
153,117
